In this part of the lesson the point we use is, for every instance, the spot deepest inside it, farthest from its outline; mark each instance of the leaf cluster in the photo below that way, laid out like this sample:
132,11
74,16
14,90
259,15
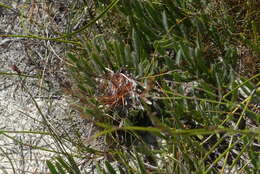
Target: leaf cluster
197,112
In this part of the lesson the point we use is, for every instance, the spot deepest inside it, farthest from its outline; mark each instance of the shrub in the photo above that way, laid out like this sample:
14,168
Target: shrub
162,81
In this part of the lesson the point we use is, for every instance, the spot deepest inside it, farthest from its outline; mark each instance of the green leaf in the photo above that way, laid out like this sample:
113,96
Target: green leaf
110,168
128,56
64,164
98,62
51,167
141,165
178,57
136,45
60,169
165,22
73,164
118,54
99,170
121,170
72,57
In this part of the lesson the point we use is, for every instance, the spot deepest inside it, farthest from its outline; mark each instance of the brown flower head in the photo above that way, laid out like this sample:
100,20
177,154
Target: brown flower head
117,90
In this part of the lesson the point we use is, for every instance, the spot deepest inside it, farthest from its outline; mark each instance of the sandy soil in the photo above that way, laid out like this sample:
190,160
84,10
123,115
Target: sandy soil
22,152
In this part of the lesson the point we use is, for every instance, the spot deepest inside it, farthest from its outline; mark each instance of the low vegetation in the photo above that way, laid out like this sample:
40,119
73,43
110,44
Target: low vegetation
170,86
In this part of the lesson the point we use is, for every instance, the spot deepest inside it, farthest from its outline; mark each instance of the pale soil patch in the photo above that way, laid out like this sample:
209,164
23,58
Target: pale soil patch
26,152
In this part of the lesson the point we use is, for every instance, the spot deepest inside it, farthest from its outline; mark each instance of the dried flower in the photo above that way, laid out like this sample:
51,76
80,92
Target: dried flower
117,90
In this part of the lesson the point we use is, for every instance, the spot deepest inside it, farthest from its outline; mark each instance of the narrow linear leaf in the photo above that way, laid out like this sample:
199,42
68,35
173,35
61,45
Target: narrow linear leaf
51,167
110,168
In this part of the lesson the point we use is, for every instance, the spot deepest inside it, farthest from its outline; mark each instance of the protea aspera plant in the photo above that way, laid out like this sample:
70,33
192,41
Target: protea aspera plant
166,87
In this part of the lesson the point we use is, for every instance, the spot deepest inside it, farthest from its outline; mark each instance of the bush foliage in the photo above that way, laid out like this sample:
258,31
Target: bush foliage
172,85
